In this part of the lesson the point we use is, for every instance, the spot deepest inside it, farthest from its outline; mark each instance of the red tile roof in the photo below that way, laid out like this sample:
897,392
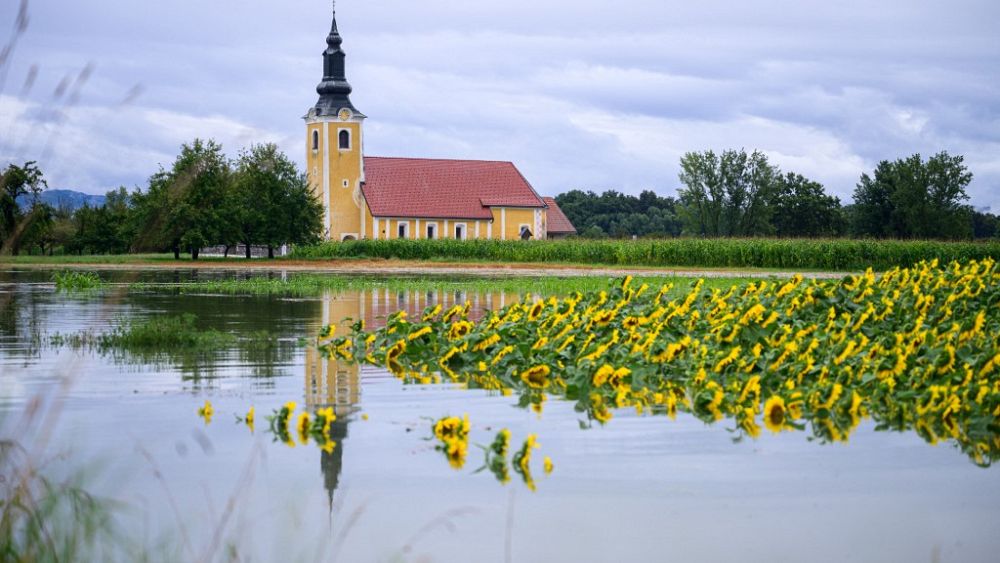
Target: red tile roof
444,189
558,223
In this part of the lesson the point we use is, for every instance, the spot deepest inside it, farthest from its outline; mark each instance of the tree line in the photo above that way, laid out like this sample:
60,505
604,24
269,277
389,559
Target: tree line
204,199
740,194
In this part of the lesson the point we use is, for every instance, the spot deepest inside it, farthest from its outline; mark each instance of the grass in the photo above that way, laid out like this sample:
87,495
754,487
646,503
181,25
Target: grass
155,333
306,285
798,254
77,281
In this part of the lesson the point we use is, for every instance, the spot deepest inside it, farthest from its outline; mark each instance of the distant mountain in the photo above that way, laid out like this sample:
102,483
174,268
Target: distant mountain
70,199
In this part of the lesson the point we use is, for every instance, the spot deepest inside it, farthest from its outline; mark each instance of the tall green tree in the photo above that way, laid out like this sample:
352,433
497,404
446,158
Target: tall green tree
728,194
23,183
272,202
184,207
910,198
802,208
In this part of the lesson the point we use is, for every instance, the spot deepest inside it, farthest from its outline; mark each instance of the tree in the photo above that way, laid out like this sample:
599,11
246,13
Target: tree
105,229
272,202
18,182
726,195
801,208
620,215
184,206
985,225
910,198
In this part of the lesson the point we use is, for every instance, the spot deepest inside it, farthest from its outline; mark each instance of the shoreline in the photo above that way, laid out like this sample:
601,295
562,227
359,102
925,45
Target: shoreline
417,268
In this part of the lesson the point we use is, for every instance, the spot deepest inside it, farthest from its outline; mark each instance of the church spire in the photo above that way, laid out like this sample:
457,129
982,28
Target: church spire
334,91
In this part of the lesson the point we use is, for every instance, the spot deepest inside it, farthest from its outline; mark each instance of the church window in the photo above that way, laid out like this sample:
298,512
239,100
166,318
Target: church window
345,139
432,231
460,231
402,230
315,140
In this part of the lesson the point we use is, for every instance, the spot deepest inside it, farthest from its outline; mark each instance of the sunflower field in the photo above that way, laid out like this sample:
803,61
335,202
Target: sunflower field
914,348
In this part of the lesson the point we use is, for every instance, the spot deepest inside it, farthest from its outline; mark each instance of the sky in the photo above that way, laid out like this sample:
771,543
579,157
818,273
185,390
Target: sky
579,94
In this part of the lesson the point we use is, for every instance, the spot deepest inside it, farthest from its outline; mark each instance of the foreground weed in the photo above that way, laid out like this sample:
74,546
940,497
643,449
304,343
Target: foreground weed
70,281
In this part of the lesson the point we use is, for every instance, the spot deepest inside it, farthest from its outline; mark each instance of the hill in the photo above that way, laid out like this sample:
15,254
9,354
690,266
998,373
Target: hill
70,199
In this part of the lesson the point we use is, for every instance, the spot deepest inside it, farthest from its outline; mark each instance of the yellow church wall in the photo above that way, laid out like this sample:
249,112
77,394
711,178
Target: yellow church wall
345,167
507,222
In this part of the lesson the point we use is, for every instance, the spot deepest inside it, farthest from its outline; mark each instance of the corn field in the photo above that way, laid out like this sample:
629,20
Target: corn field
824,254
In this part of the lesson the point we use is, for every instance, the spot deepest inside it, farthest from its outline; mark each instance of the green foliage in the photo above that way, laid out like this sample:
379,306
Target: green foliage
310,284
77,281
15,224
159,332
910,198
271,202
105,229
820,254
619,215
801,208
727,195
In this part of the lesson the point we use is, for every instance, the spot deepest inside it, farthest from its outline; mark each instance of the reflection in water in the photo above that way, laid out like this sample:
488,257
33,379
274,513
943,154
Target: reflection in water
334,383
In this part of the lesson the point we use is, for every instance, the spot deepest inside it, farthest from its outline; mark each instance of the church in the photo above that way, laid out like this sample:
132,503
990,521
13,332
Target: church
377,198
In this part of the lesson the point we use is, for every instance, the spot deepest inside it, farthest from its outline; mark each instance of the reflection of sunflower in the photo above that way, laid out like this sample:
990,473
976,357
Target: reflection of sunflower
456,451
774,413
395,351
537,376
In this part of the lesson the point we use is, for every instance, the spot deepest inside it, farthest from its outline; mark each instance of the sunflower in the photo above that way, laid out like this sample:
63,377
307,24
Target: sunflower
536,310
602,375
774,413
431,313
459,329
537,376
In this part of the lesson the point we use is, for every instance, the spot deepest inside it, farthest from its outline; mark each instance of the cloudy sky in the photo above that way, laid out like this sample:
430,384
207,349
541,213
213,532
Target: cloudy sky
588,94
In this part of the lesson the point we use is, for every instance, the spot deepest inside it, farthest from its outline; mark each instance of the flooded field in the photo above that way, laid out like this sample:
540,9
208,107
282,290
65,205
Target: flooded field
642,487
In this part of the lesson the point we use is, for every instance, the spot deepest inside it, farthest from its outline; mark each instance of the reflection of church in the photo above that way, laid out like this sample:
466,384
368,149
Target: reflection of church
335,383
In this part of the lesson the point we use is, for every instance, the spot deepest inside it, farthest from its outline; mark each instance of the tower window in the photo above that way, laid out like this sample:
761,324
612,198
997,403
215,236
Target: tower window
315,140
345,139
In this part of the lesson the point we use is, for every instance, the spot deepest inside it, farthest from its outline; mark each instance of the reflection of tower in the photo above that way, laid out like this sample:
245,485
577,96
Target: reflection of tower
336,383
333,383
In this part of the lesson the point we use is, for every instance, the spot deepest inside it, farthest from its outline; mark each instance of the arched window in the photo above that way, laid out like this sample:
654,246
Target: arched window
345,139
315,140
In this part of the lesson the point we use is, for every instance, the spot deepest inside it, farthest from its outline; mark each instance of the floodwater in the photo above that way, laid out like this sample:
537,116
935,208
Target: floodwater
640,488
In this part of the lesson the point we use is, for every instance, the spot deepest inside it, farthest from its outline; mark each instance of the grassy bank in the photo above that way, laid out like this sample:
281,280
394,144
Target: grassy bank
306,285
838,255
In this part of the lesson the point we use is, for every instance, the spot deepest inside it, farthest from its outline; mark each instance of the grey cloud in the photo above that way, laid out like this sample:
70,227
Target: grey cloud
580,93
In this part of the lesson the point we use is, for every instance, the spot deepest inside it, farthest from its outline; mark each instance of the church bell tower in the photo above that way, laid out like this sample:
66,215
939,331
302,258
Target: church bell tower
334,159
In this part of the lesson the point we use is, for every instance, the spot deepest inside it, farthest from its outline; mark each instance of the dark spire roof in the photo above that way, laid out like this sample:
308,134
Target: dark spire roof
334,91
